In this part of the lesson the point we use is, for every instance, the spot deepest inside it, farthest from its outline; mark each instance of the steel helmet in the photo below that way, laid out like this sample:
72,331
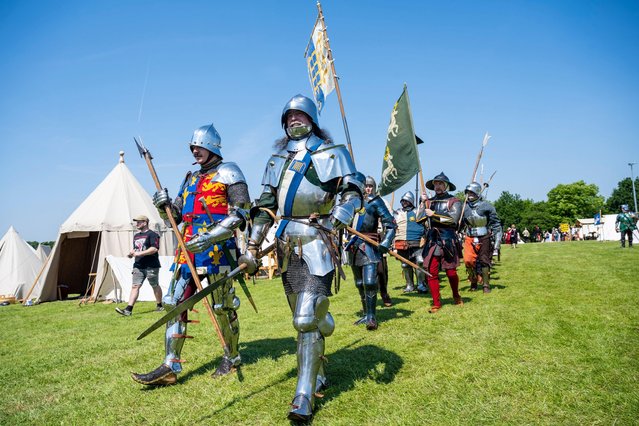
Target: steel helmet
208,138
408,197
473,187
442,178
370,181
301,103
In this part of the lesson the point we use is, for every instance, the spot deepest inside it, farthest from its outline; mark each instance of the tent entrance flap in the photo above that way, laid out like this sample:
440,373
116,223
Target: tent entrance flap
77,262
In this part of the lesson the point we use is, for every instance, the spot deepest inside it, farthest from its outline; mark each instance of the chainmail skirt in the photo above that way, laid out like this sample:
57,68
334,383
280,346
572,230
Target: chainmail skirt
297,278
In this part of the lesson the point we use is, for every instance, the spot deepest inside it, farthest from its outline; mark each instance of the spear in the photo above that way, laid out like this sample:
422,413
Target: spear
144,153
472,177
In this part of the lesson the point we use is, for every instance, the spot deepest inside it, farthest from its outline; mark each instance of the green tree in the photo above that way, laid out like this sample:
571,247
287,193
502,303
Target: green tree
574,200
509,208
622,194
538,214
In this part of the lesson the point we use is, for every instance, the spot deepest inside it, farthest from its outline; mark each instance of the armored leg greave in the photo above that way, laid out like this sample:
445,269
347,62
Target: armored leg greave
175,333
359,283
174,341
370,290
407,272
225,306
421,276
313,322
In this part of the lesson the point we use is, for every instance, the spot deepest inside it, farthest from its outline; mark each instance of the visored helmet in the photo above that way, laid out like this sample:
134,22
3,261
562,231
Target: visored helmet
625,208
442,178
208,138
473,187
408,197
370,181
301,103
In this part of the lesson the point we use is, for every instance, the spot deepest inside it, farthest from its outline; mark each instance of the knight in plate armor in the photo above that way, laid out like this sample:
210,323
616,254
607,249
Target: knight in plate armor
442,245
408,240
211,205
302,181
365,257
483,228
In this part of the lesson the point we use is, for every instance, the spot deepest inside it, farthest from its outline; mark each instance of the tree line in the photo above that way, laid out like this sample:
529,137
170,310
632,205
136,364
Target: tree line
565,204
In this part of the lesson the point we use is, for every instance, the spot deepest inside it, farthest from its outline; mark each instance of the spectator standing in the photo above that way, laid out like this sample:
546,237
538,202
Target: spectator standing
514,236
146,245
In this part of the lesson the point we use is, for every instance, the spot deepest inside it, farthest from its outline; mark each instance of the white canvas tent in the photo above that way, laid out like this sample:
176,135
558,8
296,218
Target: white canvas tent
604,232
117,281
100,226
43,252
19,265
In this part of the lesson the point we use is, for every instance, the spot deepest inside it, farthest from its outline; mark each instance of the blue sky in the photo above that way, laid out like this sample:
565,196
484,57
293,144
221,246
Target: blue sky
555,83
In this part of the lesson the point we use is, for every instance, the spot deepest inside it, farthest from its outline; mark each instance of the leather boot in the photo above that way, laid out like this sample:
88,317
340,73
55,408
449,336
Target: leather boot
485,274
161,376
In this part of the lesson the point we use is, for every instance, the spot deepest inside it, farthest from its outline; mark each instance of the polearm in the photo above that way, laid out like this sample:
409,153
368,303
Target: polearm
472,177
391,252
336,79
486,184
144,153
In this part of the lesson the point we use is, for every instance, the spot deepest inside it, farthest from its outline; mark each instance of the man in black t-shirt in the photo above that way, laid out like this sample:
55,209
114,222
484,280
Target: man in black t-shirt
146,244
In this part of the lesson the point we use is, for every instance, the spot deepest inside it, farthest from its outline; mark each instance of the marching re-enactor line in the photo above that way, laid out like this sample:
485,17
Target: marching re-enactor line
313,191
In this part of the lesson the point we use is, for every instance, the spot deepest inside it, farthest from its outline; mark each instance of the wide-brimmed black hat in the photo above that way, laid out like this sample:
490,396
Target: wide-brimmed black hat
443,178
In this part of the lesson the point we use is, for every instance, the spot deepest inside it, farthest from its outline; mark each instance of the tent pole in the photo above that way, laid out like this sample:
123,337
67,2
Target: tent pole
89,284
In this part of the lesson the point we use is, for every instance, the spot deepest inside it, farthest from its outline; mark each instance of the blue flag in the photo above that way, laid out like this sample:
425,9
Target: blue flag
597,218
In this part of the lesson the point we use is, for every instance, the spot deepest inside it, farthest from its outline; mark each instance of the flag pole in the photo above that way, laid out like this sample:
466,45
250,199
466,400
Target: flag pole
421,173
336,79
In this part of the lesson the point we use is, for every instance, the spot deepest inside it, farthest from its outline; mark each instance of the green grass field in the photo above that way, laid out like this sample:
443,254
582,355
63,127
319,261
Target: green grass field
557,342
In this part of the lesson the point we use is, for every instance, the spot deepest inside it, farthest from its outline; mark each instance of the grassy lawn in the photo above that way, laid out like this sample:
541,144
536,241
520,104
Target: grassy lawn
556,342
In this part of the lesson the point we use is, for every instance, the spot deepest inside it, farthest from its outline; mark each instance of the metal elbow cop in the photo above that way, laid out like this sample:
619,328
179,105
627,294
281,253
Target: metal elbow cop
224,230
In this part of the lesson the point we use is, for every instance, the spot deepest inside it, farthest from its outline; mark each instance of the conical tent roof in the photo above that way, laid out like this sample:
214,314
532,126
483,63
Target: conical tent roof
100,226
113,204
19,265
43,252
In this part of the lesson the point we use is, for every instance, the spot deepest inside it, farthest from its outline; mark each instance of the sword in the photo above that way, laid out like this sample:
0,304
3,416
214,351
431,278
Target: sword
202,201
191,301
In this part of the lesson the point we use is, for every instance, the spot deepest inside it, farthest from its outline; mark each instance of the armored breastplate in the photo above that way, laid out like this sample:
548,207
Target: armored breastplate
441,208
476,221
297,196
